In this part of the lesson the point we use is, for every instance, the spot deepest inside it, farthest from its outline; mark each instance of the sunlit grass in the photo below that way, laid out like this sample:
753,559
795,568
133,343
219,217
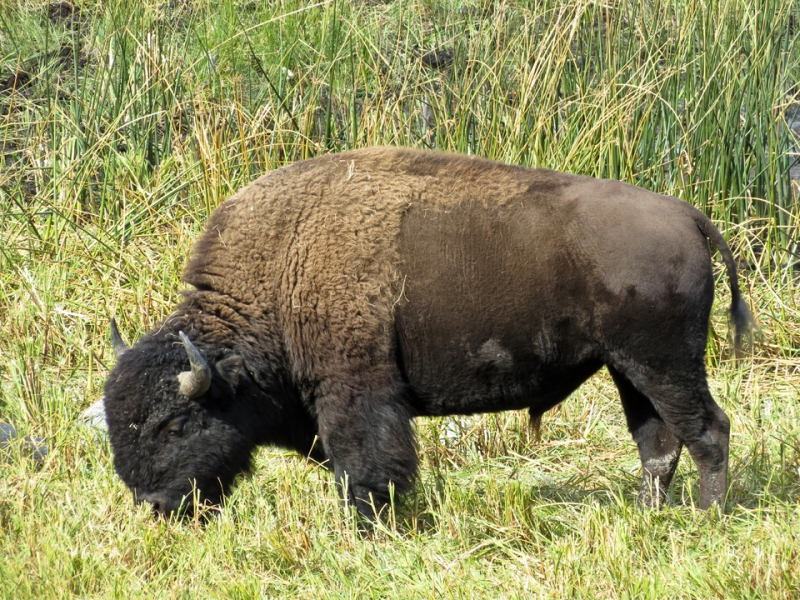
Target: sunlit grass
124,124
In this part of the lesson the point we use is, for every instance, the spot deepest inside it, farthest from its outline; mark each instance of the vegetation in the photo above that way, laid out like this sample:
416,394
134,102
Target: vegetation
123,124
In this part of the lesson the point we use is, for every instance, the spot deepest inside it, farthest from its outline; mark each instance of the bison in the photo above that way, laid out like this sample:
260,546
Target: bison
336,299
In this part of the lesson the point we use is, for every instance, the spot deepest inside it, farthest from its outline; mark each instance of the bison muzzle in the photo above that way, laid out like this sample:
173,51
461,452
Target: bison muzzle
336,299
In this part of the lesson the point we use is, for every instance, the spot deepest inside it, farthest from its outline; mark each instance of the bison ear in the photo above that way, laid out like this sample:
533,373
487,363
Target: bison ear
231,368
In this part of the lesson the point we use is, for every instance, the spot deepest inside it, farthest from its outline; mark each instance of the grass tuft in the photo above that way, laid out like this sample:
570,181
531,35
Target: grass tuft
124,124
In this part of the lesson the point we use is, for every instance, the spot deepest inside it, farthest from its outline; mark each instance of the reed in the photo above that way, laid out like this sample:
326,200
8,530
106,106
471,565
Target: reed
124,124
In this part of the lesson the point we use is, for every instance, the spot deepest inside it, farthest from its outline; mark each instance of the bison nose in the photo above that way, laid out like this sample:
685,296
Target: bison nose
162,503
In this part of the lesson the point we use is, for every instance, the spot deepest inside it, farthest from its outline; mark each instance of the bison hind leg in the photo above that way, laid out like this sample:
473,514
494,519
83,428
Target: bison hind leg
681,399
368,435
659,448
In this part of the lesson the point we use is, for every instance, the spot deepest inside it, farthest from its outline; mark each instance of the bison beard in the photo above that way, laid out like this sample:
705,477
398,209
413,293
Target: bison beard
336,299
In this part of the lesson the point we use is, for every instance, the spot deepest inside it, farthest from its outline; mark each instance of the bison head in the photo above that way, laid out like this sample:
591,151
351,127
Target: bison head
176,420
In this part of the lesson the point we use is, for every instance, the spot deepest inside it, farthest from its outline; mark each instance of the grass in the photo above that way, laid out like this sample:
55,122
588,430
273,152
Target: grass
122,126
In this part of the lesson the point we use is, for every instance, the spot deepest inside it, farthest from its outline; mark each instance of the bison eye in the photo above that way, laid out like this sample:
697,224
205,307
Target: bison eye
174,427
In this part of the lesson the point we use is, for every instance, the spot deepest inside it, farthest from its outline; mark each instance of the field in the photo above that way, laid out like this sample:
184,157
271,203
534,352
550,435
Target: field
123,124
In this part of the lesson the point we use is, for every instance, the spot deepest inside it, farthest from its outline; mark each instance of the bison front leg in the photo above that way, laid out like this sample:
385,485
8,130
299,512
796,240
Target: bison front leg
367,434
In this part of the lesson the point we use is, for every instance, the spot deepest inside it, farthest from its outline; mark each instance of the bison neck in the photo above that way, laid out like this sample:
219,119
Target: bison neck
266,405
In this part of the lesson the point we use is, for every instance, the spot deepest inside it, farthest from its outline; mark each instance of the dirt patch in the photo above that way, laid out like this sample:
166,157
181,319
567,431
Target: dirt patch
58,12
15,81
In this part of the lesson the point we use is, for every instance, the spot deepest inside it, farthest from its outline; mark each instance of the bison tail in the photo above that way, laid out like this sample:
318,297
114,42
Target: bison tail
743,321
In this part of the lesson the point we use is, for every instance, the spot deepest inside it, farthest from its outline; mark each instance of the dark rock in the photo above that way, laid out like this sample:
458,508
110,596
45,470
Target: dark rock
15,81
438,59
34,447
60,11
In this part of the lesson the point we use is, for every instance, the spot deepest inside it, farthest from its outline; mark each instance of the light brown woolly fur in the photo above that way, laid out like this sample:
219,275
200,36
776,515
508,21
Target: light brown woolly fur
313,245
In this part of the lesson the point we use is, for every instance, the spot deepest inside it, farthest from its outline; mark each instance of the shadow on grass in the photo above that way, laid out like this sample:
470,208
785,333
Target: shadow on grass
545,508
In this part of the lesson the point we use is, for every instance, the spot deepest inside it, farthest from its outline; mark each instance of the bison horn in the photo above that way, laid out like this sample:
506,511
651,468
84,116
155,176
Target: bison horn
196,382
116,340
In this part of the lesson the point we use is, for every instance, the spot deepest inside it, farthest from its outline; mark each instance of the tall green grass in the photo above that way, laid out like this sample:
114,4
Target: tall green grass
124,124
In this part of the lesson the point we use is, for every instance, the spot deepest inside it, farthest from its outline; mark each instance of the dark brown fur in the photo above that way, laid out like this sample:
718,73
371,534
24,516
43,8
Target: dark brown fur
362,289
